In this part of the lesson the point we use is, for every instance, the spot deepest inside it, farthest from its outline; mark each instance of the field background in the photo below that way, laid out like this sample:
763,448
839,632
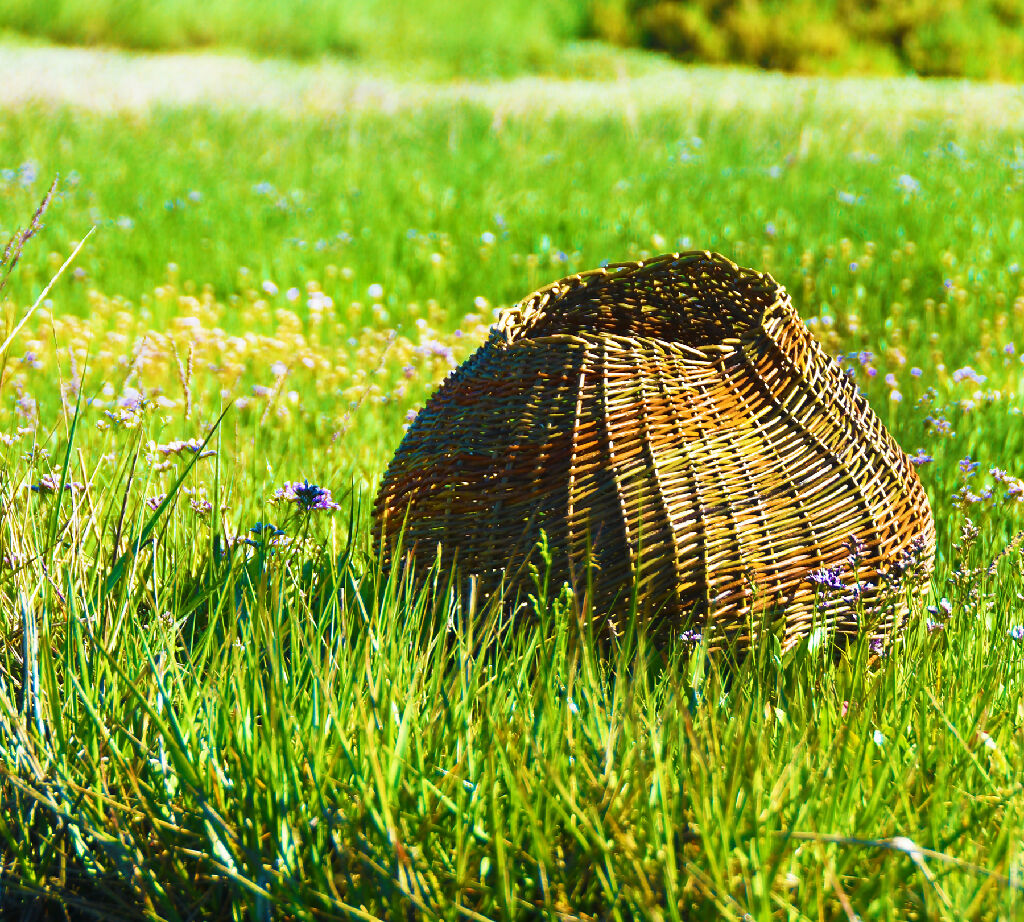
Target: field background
212,706
956,38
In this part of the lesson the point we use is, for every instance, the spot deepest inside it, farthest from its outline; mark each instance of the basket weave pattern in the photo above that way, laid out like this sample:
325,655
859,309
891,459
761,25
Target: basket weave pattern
673,427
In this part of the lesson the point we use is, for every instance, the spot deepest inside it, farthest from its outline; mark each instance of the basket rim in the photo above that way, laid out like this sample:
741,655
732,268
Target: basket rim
515,322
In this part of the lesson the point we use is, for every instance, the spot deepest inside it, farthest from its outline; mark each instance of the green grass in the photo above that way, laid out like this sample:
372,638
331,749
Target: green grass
198,720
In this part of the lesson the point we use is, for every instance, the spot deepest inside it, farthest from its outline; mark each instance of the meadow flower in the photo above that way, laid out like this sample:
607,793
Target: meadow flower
828,579
968,467
153,502
307,496
266,530
25,406
1016,632
27,173
200,504
691,637
50,483
939,425
968,374
124,417
907,184
963,498
879,737
856,549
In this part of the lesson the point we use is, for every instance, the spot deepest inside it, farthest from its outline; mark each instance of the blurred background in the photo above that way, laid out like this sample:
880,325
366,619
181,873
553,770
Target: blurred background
982,39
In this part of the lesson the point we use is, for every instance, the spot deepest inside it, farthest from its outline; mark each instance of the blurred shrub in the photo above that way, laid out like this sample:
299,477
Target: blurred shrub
962,38
451,37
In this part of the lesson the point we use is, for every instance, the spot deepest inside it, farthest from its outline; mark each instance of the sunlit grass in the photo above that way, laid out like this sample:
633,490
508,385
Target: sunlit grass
213,704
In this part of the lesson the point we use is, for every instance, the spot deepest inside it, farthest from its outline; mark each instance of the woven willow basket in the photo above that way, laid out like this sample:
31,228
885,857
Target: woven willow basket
676,431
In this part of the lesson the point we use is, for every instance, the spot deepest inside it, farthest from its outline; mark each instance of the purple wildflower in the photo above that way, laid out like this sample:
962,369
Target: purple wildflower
200,505
968,374
856,549
828,578
964,498
939,425
50,483
307,496
178,446
690,637
968,467
921,457
1016,632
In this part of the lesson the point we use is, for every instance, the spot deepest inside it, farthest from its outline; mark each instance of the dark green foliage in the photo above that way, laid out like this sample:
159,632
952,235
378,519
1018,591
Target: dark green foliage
963,38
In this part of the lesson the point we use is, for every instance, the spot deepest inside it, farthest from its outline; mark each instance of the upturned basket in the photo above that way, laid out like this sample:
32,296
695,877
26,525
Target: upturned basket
686,446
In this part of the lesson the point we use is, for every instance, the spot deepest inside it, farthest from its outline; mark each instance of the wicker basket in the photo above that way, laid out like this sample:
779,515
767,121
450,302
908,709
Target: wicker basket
677,432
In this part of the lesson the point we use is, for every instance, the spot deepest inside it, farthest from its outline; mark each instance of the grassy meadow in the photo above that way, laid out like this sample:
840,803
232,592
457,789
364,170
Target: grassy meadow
214,705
